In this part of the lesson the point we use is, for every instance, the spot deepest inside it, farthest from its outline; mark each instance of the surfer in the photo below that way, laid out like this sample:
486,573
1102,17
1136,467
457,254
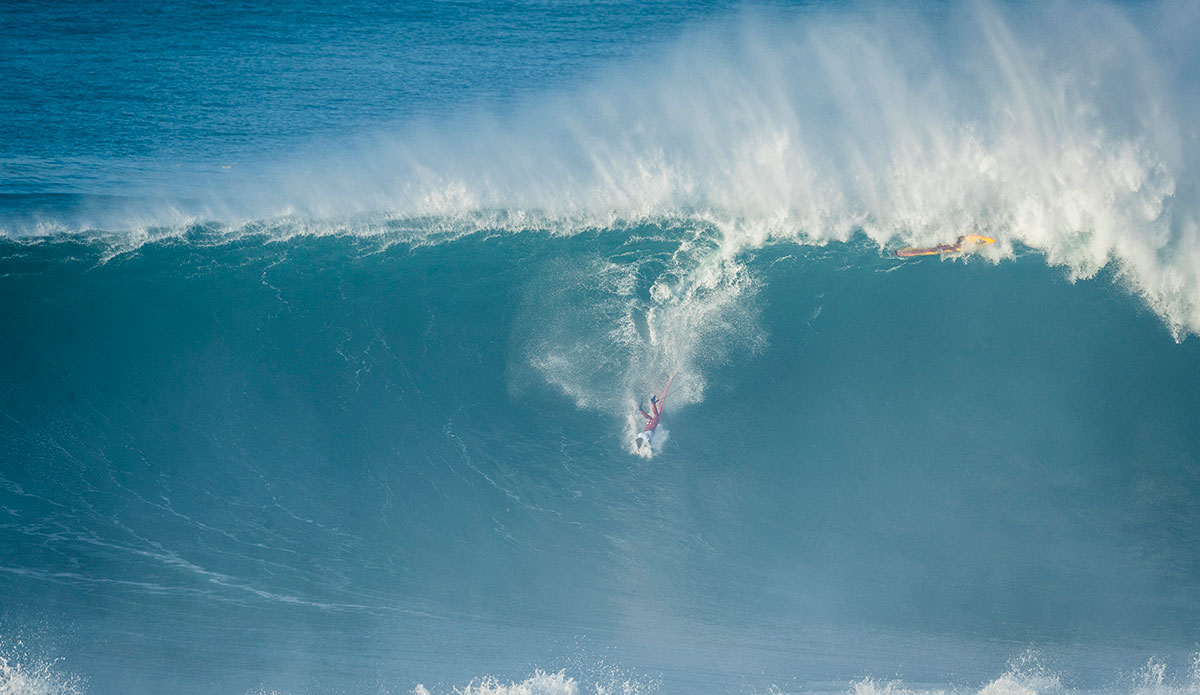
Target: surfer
963,244
646,436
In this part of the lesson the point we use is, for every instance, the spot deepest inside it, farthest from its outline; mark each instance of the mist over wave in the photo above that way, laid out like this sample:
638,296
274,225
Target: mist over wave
22,675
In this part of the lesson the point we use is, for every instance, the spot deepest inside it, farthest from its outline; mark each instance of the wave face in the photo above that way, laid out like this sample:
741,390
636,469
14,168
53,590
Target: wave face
312,384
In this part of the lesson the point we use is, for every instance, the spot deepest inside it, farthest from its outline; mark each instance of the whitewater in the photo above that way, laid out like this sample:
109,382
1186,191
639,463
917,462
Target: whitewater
325,328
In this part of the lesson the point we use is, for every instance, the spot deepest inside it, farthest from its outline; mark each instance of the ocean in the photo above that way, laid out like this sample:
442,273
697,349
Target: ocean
324,329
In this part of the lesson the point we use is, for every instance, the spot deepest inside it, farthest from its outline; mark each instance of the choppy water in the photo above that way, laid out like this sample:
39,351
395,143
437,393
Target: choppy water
323,331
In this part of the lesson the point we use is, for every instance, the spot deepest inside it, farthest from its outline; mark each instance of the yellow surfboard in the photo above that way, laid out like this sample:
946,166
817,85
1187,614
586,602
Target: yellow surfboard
966,242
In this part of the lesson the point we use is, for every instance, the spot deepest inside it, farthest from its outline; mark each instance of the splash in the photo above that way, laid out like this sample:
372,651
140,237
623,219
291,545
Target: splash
1156,679
20,677
871,686
543,683
1026,675
607,330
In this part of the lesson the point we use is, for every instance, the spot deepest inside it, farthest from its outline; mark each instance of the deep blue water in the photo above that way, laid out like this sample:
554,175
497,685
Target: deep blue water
323,331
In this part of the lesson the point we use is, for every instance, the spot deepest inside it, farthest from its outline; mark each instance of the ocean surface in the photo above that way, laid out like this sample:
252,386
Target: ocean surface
323,328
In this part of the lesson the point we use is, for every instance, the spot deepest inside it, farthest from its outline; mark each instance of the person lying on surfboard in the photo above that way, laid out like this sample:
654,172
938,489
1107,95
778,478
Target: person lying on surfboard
646,436
963,244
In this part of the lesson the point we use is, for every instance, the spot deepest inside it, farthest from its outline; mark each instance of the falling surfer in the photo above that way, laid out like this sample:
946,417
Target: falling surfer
645,438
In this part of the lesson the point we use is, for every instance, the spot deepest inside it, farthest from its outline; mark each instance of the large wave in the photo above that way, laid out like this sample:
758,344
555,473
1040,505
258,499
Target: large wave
214,420
1064,128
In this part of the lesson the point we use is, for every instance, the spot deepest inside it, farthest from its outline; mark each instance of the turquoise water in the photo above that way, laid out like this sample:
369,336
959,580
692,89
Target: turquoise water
324,328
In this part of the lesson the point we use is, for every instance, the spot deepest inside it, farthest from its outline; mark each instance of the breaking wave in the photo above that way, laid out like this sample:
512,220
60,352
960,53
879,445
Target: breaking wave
1062,128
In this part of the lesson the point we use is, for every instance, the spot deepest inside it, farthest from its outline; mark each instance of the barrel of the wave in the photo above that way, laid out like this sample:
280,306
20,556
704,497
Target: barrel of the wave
964,244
